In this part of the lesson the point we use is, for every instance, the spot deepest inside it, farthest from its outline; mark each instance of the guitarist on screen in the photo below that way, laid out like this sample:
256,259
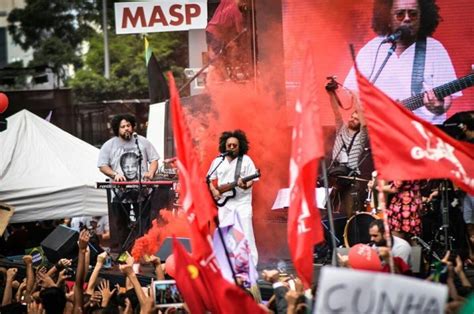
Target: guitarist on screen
231,177
419,63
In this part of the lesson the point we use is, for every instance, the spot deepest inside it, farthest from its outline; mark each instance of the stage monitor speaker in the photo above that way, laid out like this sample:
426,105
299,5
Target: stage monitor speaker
166,248
61,243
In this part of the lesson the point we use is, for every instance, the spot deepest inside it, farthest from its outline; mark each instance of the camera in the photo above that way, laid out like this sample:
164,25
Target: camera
69,272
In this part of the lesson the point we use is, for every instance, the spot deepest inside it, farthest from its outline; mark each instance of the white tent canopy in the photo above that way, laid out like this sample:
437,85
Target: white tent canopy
46,173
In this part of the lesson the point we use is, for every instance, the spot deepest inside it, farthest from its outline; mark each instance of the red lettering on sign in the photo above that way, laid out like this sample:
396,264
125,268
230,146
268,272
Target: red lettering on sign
175,12
192,10
128,16
157,16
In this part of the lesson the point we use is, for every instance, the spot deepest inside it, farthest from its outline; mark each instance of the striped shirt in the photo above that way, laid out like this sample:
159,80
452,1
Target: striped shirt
342,143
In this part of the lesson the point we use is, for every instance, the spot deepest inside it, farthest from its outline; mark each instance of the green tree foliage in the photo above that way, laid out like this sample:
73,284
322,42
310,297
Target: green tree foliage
40,20
128,72
57,30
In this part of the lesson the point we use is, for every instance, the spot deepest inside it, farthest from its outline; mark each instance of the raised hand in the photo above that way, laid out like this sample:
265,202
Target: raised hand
11,273
104,288
84,237
45,280
101,258
28,259
62,277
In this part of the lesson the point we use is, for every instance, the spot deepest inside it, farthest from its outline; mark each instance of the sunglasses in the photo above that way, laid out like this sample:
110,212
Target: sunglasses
232,145
400,14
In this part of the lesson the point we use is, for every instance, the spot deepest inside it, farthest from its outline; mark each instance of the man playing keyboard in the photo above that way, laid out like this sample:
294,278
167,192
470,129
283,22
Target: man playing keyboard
119,159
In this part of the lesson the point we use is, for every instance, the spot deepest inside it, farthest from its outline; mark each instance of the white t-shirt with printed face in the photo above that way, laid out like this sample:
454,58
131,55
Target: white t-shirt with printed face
122,156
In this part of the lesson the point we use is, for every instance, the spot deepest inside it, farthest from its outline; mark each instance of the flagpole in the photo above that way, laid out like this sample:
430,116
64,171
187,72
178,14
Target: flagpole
216,221
329,208
221,237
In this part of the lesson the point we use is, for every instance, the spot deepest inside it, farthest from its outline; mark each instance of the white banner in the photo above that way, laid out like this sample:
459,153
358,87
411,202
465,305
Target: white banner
155,131
160,16
343,290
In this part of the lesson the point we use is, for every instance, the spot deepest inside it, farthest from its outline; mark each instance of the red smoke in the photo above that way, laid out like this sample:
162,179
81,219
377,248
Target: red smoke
175,224
242,106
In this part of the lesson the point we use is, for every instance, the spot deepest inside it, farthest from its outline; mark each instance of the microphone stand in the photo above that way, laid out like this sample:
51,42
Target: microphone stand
443,188
140,186
389,54
330,218
208,177
427,247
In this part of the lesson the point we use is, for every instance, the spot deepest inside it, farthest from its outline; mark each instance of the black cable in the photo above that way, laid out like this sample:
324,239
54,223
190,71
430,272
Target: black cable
375,61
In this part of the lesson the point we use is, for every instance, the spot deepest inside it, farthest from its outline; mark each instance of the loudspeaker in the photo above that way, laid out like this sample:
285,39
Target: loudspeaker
166,248
61,243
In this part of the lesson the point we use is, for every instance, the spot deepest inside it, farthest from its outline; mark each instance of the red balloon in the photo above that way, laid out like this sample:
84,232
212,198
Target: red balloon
364,257
170,266
3,102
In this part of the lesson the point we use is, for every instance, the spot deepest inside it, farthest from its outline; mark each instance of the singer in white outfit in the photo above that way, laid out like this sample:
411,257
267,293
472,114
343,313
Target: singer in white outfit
234,145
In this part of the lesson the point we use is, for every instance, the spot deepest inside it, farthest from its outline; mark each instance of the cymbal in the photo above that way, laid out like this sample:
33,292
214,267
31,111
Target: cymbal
353,178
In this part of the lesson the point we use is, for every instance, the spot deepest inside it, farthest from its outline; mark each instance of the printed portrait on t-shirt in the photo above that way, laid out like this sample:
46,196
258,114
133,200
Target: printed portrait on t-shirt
129,165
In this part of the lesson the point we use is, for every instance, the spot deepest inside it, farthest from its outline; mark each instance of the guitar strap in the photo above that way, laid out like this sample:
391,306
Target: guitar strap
348,149
237,168
418,70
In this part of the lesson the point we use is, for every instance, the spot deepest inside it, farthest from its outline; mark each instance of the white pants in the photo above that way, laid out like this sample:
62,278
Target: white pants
245,216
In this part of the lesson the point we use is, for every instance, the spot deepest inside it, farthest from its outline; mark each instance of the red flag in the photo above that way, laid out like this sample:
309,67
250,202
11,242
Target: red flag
196,198
190,281
304,221
406,147
204,287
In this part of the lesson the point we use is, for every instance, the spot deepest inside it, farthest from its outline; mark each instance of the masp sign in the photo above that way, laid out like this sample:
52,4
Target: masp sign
160,16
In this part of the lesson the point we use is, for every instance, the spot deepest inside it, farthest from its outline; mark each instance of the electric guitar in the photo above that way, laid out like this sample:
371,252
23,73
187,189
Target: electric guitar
415,102
231,187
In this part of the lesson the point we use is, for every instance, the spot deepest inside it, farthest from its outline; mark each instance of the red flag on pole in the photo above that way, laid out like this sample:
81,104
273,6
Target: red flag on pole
406,147
304,221
196,198
190,281
203,287
218,295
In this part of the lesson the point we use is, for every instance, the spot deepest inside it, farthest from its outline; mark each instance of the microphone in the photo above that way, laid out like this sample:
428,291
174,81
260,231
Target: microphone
135,135
399,33
223,154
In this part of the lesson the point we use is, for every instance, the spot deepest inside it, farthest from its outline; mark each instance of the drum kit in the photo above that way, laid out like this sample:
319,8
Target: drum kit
438,236
362,212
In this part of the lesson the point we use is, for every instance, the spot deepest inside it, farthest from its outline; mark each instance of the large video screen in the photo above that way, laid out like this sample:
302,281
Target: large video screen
330,26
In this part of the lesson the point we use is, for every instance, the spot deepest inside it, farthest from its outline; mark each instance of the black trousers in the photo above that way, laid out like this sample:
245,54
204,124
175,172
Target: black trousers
123,230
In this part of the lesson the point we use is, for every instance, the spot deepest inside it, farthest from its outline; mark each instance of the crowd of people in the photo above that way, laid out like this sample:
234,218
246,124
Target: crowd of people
77,287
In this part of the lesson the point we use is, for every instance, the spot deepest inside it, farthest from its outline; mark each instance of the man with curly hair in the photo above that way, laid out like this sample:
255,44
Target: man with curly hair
119,160
235,166
419,62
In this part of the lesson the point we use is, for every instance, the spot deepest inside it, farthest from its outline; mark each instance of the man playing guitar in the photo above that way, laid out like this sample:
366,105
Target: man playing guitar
235,166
